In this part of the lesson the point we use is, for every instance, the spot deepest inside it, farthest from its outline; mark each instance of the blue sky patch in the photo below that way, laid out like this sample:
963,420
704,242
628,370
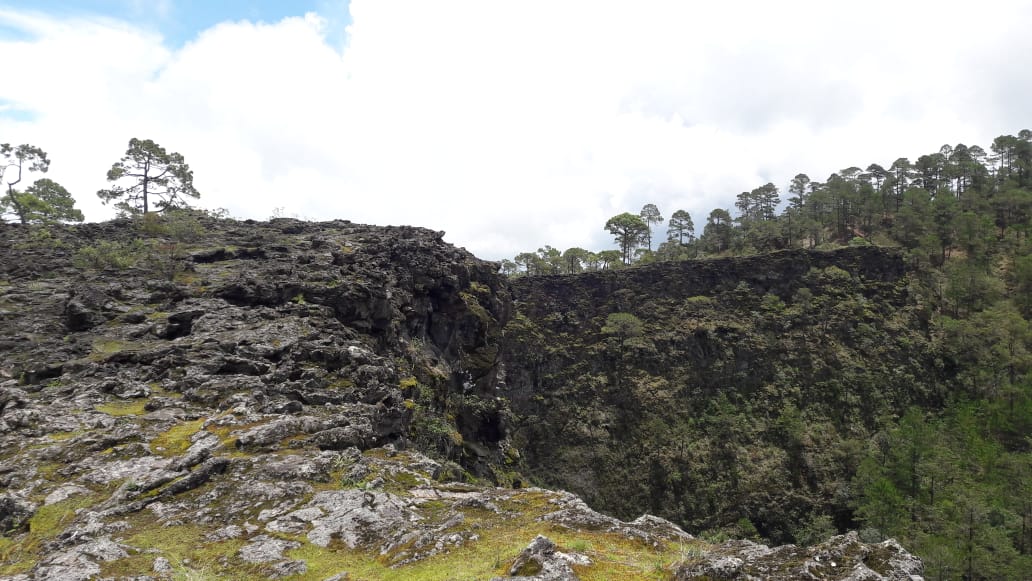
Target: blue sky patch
10,33
180,21
10,111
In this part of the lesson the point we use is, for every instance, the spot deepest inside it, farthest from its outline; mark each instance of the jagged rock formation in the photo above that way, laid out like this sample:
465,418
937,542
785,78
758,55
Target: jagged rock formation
841,557
299,401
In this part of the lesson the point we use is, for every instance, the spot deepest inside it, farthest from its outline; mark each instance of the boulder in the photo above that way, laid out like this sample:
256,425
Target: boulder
541,561
15,513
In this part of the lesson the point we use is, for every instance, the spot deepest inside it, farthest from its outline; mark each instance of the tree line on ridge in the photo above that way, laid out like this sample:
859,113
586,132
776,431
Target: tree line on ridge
958,199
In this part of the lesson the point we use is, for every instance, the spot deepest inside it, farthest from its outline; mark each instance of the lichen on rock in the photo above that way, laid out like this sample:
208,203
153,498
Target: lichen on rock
300,401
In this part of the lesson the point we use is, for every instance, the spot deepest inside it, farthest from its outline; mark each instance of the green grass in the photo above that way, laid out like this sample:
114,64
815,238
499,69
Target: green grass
501,538
190,554
64,436
176,439
104,348
132,407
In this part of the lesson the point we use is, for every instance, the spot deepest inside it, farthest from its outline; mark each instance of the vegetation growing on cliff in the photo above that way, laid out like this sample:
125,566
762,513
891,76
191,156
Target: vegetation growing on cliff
793,411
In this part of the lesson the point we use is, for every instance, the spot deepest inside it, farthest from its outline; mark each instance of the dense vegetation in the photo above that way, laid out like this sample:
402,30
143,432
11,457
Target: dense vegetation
958,199
940,459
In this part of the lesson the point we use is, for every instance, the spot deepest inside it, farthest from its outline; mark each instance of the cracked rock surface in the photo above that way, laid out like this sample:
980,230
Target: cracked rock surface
300,400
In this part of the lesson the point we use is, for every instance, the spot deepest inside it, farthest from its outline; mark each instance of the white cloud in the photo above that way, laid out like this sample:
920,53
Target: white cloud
515,125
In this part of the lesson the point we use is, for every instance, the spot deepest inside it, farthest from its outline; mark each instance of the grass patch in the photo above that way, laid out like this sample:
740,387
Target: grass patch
176,439
342,383
226,432
613,556
157,390
188,279
104,348
64,436
132,407
501,538
189,553
49,470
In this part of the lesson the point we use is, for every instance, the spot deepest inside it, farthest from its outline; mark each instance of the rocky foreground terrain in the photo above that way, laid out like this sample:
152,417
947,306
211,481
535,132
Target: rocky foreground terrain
298,400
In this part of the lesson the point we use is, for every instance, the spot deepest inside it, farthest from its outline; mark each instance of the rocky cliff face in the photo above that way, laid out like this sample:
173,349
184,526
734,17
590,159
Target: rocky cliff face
289,399
730,395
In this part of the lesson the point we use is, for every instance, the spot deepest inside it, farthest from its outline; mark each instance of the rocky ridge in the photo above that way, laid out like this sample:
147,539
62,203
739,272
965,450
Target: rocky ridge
298,400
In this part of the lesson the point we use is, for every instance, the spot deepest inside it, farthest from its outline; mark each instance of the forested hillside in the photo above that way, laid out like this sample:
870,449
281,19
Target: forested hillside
791,411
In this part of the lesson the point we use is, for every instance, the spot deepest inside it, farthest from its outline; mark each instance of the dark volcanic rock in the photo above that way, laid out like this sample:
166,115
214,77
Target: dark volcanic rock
265,397
83,309
673,417
14,513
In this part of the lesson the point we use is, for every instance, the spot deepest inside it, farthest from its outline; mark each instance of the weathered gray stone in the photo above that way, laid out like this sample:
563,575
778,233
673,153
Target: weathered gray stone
85,308
840,558
135,469
133,390
345,437
225,533
266,549
12,397
199,451
63,493
295,522
79,562
314,468
199,476
287,569
264,491
355,516
541,561
276,431
575,514
161,565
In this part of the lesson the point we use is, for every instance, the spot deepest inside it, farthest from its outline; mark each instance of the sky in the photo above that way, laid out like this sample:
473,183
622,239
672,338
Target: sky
509,125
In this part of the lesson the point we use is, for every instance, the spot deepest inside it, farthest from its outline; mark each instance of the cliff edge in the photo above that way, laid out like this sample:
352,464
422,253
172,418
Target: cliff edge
301,400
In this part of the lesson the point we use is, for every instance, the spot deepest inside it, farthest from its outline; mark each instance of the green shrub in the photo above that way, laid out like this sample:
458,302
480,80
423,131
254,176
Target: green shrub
623,325
772,303
110,255
170,233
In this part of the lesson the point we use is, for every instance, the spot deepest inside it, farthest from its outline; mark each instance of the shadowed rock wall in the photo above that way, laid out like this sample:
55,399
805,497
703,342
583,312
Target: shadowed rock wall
743,392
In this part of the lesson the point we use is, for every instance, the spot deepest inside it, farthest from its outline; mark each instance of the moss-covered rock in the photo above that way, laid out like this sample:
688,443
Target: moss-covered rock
319,399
